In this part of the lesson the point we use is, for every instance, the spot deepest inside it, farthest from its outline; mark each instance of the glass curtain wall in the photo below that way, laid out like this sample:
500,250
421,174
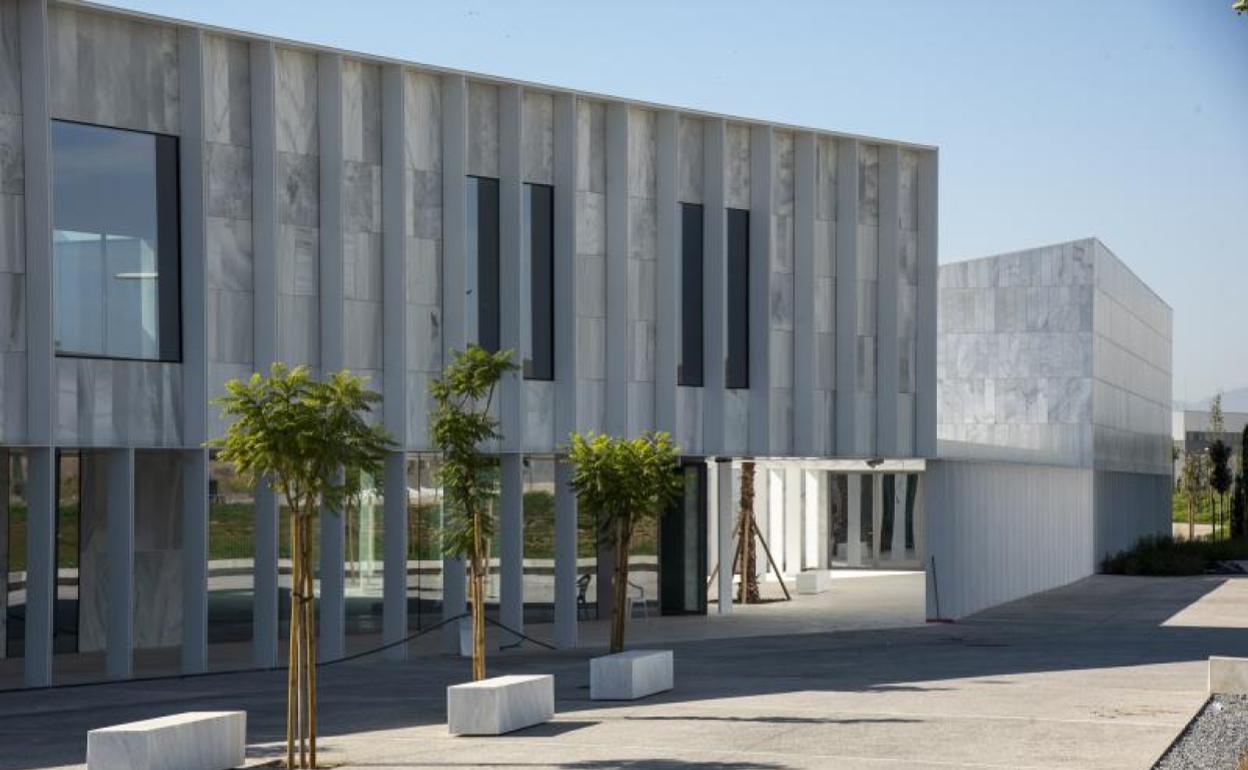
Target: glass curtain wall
424,541
231,564
65,630
13,563
364,530
539,539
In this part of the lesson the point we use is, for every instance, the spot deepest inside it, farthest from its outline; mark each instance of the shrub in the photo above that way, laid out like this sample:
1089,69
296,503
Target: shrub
1165,556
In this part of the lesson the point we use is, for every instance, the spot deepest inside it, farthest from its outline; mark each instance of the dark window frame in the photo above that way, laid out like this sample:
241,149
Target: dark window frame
691,368
539,360
737,300
168,164
488,292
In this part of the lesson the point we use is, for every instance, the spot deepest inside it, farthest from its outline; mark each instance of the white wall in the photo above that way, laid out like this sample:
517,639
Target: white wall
1000,531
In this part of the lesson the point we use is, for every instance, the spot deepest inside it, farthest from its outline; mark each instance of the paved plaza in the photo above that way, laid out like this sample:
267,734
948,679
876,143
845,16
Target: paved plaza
1100,674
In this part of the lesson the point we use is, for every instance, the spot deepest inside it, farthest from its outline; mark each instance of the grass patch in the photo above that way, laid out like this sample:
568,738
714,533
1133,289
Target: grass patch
1165,556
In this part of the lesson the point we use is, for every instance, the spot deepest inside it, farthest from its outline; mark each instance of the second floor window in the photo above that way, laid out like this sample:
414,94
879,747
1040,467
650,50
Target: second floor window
115,243
737,367
538,244
483,243
689,368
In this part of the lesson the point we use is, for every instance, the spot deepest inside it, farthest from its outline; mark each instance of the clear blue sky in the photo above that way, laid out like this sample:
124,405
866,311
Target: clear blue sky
1055,120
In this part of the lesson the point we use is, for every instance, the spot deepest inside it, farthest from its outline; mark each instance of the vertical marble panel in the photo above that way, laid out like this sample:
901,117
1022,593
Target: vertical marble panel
296,76
591,147
690,159
91,83
482,129
537,150
642,151
227,91
737,166
869,184
825,180
422,134
10,59
361,112
909,190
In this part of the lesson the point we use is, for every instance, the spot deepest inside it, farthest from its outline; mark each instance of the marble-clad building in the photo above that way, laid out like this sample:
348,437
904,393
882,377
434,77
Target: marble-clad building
1053,361
272,201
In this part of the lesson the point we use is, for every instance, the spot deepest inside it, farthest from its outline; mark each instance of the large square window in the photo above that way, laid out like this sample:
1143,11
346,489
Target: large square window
115,243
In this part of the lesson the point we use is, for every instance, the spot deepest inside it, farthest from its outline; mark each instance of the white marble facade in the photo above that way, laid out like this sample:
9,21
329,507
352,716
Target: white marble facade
1057,355
95,400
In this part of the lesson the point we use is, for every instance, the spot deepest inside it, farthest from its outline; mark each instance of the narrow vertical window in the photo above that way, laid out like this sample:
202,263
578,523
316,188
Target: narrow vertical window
689,370
538,336
737,370
483,242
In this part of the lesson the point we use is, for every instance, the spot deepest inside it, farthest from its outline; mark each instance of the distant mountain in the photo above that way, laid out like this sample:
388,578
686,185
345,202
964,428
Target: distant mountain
1234,400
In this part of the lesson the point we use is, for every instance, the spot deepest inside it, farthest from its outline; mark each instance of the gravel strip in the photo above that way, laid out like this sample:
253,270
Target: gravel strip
1217,738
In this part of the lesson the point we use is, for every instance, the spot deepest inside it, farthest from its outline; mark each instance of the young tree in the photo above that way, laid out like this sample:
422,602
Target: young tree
625,482
1217,426
1219,478
1239,504
461,424
1193,483
308,440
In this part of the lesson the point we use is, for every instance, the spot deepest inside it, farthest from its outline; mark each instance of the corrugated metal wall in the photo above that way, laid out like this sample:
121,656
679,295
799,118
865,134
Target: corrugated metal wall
1001,531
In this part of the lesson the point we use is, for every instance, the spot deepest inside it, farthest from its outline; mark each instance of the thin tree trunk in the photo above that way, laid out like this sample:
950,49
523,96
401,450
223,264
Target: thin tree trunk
1191,516
478,600
619,614
749,555
310,636
292,660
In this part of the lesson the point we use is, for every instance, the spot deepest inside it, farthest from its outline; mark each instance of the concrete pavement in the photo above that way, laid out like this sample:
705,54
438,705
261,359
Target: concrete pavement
1100,674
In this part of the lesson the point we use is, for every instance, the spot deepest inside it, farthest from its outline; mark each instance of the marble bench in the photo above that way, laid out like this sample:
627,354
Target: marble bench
500,704
194,740
630,675
814,581
1228,676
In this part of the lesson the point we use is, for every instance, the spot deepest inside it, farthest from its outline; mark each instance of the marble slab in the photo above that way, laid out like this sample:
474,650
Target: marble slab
814,581
1228,676
501,704
631,675
195,740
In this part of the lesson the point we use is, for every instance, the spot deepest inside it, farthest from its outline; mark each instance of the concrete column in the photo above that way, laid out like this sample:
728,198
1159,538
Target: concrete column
193,266
511,543
762,517
804,347
925,353
712,516
920,518
812,504
760,290
846,298
565,558
792,520
37,200
40,563
565,278
667,282
195,561
724,511
458,323
775,515
823,534
264,620
513,274
887,366
899,517
119,625
853,546
877,514
5,490
714,286
394,585
618,353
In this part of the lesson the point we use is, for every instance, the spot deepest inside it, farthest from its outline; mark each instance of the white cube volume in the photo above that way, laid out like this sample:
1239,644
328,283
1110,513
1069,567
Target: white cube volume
630,675
500,704
814,581
195,740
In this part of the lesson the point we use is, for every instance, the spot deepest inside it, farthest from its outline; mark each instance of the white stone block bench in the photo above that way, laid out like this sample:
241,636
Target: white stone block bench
814,581
630,675
1228,676
195,740
500,704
